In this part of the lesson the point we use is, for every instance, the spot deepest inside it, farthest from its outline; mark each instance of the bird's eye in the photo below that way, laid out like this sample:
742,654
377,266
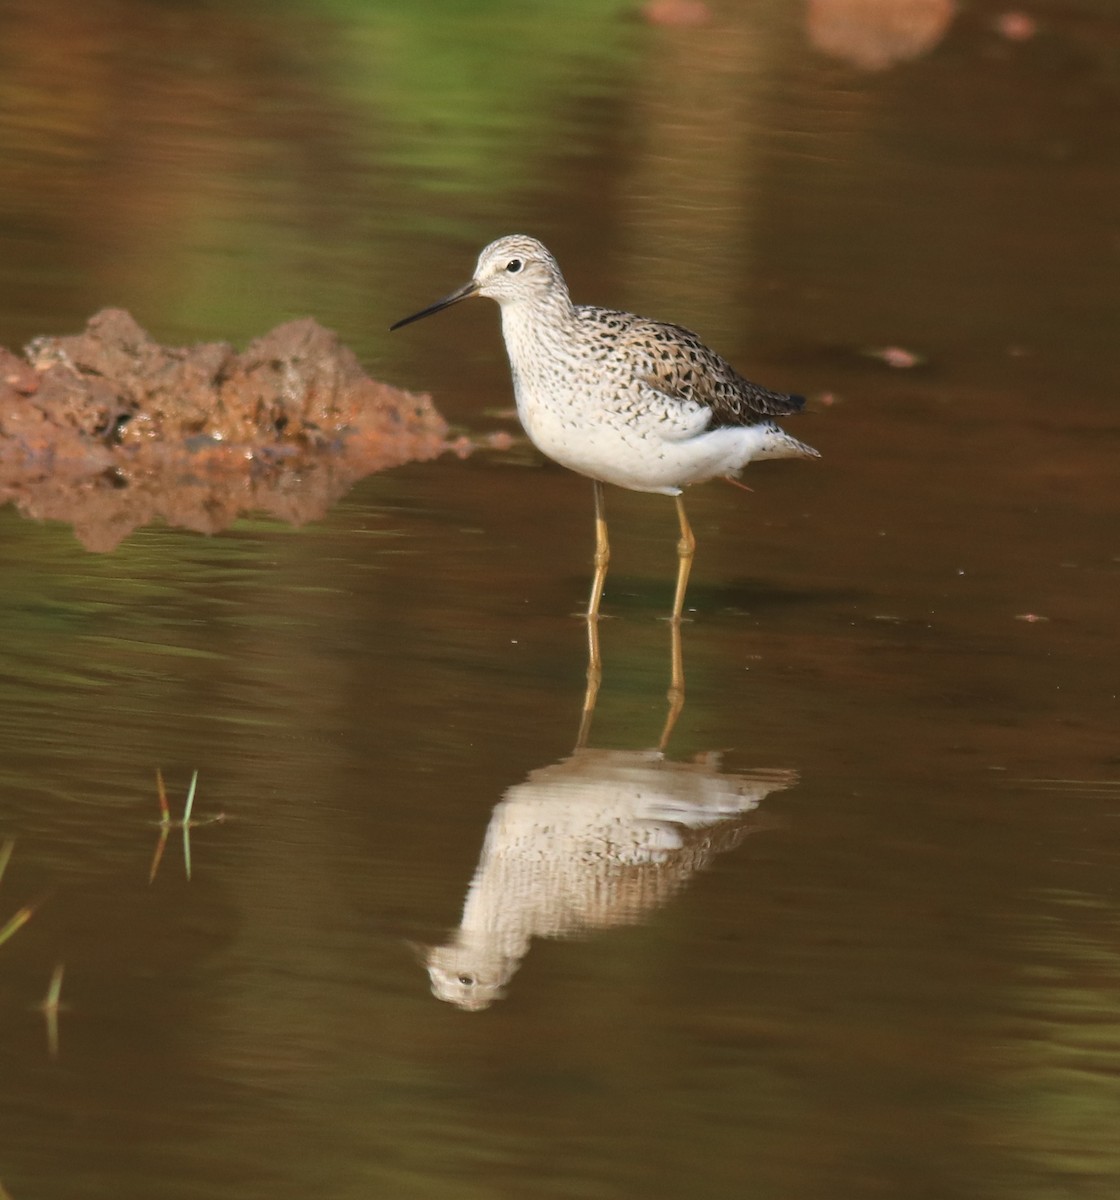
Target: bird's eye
513,266
466,981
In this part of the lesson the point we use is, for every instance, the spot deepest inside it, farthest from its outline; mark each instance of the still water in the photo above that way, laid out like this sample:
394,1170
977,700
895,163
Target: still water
856,934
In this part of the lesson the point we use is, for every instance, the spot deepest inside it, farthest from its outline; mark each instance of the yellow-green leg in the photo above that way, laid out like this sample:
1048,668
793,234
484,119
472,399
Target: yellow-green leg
594,659
602,553
686,548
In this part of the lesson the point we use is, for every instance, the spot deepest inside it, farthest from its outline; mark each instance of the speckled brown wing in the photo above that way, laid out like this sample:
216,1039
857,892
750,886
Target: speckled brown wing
676,362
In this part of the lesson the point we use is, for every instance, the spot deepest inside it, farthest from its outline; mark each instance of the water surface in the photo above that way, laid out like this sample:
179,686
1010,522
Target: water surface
898,973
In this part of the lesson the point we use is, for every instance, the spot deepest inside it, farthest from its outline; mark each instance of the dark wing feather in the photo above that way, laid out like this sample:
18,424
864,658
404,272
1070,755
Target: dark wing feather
676,362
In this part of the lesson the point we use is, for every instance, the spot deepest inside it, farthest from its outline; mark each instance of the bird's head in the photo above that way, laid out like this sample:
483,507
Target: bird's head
514,269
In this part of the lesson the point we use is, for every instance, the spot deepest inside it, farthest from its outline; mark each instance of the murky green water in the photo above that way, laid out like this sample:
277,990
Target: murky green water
887,964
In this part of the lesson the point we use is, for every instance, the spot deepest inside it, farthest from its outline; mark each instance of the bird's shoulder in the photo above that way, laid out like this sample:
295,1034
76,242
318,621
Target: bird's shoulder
675,362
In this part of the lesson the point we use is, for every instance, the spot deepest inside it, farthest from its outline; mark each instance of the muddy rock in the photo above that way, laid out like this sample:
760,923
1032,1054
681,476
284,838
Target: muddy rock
109,430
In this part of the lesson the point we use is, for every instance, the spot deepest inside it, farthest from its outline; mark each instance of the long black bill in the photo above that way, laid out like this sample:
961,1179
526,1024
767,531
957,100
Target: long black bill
468,289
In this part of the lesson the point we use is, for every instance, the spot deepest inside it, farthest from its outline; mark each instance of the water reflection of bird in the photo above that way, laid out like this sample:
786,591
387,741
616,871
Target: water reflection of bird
599,839
620,398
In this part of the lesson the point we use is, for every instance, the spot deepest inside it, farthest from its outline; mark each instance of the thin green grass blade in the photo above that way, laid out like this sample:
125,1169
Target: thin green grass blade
54,990
190,799
15,924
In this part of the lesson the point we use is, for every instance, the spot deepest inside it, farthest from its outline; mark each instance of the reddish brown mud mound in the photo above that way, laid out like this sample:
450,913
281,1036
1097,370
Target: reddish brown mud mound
108,430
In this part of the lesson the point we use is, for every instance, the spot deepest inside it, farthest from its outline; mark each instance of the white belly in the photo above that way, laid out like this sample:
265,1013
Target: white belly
632,453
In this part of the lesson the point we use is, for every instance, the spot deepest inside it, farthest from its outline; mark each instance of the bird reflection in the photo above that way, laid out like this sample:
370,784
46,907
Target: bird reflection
600,838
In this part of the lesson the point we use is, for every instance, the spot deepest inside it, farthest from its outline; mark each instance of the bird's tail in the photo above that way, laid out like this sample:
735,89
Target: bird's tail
776,443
